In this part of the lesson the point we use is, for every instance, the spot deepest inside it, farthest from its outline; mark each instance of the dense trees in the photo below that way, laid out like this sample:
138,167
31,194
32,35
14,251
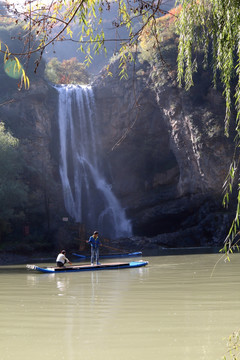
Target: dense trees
67,72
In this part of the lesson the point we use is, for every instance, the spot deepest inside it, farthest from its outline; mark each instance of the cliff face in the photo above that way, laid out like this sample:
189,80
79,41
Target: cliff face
167,155
164,151
31,117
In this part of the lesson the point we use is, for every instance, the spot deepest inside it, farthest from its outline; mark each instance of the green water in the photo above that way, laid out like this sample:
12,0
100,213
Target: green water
171,309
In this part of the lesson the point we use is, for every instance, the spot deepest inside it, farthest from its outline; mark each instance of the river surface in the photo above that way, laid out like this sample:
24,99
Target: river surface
173,309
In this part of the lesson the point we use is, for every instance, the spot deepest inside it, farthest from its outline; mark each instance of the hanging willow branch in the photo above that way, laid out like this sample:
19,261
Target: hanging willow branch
52,22
213,26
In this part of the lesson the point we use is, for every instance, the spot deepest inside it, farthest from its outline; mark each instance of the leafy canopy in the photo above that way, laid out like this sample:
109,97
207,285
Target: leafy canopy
47,23
66,72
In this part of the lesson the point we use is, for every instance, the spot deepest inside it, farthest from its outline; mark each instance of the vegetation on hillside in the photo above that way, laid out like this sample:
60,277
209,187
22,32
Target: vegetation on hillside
158,46
66,72
53,22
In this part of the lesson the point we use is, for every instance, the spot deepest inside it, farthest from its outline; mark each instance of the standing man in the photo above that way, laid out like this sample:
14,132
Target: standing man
94,242
61,259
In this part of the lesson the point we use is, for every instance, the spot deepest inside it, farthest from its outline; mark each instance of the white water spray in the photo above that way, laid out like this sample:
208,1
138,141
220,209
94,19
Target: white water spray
88,197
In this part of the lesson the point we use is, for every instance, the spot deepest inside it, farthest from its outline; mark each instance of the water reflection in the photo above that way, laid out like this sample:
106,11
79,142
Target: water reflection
62,286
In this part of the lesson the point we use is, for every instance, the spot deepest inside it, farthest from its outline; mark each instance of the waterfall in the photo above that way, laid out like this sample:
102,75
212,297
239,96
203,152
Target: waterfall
87,195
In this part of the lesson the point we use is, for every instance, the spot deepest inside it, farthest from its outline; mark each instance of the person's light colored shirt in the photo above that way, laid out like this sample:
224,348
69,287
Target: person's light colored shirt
62,258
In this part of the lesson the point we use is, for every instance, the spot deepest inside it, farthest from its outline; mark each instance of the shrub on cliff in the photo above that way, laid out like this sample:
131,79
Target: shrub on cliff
158,46
66,72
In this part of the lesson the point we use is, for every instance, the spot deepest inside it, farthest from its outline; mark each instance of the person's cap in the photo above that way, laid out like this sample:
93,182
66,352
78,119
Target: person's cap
63,252
95,233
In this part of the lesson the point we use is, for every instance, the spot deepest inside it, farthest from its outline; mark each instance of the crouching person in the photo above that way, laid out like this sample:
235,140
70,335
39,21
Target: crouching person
62,259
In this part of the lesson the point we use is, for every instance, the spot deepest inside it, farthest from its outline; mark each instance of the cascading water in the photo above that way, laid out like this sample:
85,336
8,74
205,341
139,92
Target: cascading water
88,197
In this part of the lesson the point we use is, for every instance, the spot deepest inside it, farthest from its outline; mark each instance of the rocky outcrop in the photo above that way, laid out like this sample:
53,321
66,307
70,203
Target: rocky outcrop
164,153
31,117
167,155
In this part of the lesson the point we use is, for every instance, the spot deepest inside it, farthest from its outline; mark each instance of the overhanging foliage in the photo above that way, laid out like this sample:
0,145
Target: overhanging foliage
213,27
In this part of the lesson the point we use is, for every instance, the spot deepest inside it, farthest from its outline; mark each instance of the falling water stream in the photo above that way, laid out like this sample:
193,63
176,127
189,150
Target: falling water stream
88,196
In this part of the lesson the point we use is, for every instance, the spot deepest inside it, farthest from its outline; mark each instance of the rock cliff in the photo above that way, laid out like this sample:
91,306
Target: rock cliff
166,154
164,150
31,116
